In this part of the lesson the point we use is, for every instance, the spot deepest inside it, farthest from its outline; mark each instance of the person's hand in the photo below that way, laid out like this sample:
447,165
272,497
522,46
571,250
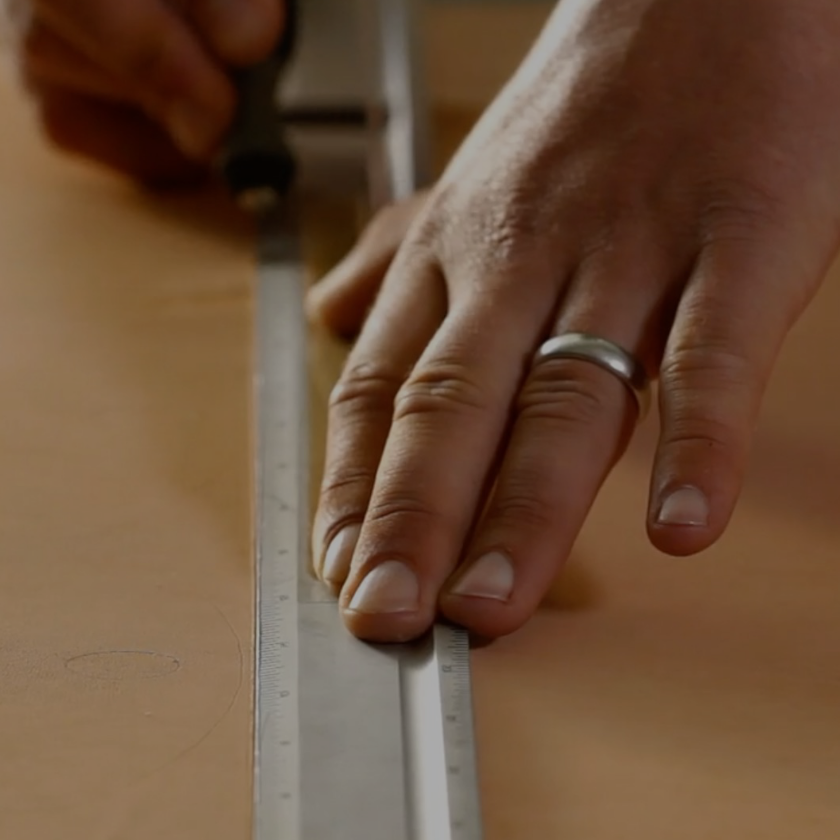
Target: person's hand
663,175
341,300
142,86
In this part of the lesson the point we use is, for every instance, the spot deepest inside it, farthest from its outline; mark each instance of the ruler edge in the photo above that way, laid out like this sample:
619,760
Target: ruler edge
399,25
450,644
466,789
275,224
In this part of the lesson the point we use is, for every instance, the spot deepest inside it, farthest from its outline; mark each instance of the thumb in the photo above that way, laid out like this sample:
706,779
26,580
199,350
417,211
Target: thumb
342,299
239,32
728,329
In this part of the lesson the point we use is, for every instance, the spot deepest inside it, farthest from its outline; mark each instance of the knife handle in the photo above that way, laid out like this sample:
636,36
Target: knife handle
255,158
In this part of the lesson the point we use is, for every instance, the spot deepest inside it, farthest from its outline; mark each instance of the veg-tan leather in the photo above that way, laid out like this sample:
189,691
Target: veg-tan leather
651,698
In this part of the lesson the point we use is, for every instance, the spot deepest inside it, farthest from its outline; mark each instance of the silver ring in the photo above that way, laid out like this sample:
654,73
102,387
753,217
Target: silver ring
599,351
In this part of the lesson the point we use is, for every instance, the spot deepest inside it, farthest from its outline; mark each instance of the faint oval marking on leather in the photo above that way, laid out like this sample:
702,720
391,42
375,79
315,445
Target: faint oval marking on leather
123,664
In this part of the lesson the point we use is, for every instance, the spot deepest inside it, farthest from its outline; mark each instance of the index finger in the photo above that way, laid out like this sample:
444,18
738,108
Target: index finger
449,422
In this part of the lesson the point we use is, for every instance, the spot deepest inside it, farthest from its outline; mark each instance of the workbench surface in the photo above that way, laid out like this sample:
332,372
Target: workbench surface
651,698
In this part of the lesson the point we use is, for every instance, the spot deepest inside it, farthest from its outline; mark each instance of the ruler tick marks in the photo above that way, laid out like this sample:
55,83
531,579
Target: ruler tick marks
353,741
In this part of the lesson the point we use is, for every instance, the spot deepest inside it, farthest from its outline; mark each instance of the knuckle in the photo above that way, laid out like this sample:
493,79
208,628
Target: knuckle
445,386
504,236
711,437
365,388
710,396
563,395
736,209
348,482
398,508
713,365
519,509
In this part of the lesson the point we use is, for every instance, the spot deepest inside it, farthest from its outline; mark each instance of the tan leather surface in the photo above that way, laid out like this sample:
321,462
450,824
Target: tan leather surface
651,698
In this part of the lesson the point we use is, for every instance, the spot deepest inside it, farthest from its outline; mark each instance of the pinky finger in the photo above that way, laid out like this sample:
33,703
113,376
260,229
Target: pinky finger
715,369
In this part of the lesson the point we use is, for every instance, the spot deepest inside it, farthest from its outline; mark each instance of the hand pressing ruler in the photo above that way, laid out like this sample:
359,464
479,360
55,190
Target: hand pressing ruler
353,741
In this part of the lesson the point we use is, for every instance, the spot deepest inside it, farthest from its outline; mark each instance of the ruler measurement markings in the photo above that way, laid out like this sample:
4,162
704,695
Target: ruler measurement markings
457,721
296,695
352,778
350,713
279,355
408,165
285,588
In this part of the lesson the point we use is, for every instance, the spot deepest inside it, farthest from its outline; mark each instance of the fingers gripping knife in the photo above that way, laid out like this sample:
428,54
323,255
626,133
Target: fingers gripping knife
352,741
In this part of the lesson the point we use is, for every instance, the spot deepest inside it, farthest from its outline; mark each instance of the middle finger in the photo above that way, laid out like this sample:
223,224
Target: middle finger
574,420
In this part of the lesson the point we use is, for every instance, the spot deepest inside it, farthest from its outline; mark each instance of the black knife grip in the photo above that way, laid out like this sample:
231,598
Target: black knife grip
255,156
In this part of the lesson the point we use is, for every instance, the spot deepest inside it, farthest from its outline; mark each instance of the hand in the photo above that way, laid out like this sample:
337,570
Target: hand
341,301
141,86
663,175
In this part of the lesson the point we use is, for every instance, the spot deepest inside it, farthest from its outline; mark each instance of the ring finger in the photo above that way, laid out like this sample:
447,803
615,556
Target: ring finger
574,420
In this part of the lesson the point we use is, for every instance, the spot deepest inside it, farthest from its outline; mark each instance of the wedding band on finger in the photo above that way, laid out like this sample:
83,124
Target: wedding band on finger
605,354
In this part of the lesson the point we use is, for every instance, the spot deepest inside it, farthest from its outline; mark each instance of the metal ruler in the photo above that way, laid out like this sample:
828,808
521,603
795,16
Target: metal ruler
352,741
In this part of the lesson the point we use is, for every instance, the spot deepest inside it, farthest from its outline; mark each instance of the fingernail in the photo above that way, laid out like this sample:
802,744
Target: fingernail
192,128
339,554
392,587
491,576
684,506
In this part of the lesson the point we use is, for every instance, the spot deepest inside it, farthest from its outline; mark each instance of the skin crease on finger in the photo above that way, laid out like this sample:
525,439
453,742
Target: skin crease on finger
708,129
